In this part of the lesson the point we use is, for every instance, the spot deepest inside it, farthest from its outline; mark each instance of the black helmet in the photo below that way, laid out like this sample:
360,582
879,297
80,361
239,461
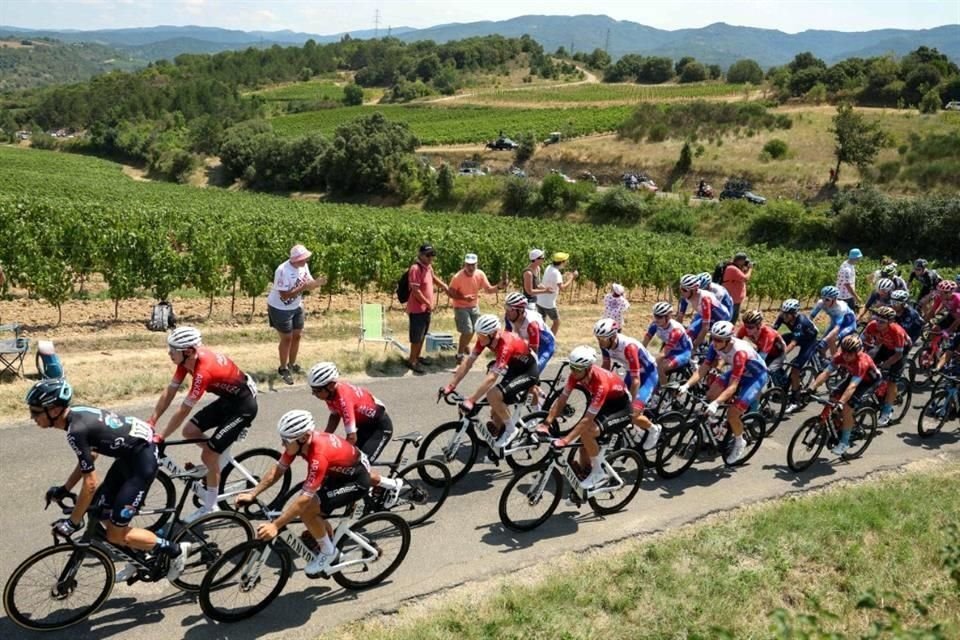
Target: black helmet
55,392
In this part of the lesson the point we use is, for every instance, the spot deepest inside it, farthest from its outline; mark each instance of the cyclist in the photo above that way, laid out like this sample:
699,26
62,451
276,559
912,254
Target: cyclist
707,308
928,279
889,344
230,415
879,296
803,337
862,374
338,474
515,367
843,322
707,283
641,378
743,381
907,317
366,423
947,298
676,348
767,341
130,441
609,408
951,355
891,271
529,325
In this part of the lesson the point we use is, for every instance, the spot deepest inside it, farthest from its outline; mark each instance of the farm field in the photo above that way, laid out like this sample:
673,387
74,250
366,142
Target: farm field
612,93
314,90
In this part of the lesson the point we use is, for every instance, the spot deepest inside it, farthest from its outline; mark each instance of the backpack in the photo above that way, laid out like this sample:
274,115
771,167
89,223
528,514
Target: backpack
718,271
162,317
403,287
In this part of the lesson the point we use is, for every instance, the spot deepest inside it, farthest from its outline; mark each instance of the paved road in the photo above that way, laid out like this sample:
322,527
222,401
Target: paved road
466,542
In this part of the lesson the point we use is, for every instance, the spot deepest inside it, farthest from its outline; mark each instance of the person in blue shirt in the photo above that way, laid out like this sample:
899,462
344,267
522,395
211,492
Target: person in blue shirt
843,321
803,337
907,317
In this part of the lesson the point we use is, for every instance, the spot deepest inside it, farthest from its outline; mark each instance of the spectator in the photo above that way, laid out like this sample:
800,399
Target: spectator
554,282
464,291
285,307
615,304
847,279
421,302
531,278
735,278
876,274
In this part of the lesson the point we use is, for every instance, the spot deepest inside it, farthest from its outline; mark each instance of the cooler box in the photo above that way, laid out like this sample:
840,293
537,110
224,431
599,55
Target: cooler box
440,342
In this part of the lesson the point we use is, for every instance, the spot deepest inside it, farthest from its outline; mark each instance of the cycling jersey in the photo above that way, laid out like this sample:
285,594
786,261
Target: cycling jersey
928,280
910,320
861,369
894,338
878,298
768,341
950,303
803,331
708,307
531,327
601,386
740,356
106,433
674,337
355,405
840,316
325,453
216,373
512,352
640,365
721,293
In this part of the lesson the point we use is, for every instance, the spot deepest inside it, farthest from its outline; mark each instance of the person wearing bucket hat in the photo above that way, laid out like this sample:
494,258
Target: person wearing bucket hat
555,282
847,279
465,288
285,307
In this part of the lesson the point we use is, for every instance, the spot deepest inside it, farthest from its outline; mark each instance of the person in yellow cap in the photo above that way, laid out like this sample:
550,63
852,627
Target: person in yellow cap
555,282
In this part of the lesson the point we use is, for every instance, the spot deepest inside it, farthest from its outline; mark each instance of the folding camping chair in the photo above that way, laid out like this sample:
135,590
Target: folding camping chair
13,351
373,328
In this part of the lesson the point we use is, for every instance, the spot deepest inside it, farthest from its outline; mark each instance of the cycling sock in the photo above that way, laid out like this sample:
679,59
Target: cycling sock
388,483
326,545
845,436
886,408
210,499
596,462
166,547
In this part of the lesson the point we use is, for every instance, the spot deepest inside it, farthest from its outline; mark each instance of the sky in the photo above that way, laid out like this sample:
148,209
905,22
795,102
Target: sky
325,17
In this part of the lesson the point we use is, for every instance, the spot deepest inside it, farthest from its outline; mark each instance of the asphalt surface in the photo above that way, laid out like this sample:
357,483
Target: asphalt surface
465,542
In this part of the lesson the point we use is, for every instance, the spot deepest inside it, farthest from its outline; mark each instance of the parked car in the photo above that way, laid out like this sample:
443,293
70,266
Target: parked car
553,138
953,105
740,190
517,172
471,171
637,181
502,144
565,177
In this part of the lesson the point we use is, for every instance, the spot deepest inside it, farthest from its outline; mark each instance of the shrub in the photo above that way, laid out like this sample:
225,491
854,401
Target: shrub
556,194
352,95
446,180
520,196
658,133
40,140
618,204
776,148
787,223
930,103
476,194
527,145
676,218
685,161
887,171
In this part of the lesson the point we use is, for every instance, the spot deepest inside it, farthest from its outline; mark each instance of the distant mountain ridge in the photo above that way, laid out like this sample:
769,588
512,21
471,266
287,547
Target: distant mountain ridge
718,43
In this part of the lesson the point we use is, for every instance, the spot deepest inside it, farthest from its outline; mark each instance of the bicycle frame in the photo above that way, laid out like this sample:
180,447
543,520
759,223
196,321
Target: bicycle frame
559,463
195,483
469,421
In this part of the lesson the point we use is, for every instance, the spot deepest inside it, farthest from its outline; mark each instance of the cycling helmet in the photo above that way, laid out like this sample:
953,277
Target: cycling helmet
851,344
515,300
752,317
947,286
322,374
889,269
582,357
723,330
899,296
183,338
885,284
885,312
487,325
791,305
830,291
662,309
294,424
920,263
690,281
606,328
705,280
55,392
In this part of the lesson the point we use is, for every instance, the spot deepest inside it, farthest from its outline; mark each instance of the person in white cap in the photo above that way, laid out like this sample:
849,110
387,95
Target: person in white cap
615,304
285,307
531,278
465,288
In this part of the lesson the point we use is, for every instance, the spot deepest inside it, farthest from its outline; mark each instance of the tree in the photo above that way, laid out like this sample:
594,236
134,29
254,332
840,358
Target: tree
858,141
745,70
715,71
685,161
930,102
352,95
526,146
682,62
656,70
599,59
806,60
367,154
693,72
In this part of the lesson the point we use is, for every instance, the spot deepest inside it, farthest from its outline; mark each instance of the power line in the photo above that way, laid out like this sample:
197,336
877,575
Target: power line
376,23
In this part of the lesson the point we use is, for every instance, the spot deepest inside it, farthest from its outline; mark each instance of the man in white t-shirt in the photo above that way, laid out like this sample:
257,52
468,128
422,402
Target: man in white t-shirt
554,281
285,307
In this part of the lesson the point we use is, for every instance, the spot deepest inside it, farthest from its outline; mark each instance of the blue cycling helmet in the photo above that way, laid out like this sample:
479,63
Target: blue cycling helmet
830,291
55,392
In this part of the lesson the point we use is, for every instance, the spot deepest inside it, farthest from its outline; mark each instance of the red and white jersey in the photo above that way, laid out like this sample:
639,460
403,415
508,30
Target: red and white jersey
324,453
214,372
740,356
601,385
355,405
510,349
631,354
530,327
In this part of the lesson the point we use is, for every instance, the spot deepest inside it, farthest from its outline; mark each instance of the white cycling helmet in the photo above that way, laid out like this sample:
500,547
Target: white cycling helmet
690,281
606,328
705,280
183,338
515,300
322,374
487,325
885,284
723,330
662,309
790,305
294,424
582,357
900,295
830,292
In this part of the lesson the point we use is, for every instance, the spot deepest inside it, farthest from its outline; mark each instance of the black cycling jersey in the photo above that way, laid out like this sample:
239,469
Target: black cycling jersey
105,432
928,280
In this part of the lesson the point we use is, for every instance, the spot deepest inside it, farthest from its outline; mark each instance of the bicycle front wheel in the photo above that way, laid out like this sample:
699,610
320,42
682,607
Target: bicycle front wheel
754,431
457,451
677,449
530,498
527,448
58,586
935,413
377,543
420,499
806,444
772,405
627,464
256,462
244,581
210,536
864,429
904,396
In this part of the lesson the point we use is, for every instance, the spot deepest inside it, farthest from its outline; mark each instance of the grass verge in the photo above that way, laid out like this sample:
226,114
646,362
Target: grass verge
723,578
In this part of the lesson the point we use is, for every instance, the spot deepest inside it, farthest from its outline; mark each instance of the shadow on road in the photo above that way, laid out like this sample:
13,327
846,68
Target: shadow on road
933,442
819,469
561,523
693,477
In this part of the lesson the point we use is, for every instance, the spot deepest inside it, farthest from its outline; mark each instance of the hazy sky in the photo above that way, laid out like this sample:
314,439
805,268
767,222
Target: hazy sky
336,16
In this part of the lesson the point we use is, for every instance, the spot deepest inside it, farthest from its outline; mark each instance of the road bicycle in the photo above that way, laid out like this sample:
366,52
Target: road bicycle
577,401
247,578
925,358
532,495
877,397
942,407
65,583
824,430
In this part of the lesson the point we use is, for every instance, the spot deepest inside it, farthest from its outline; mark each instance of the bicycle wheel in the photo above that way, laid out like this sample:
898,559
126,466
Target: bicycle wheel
381,541
577,403
806,444
257,463
677,449
83,578
771,405
530,498
904,396
864,429
210,536
754,431
244,581
935,412
529,450
158,505
419,499
459,456
921,362
628,465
